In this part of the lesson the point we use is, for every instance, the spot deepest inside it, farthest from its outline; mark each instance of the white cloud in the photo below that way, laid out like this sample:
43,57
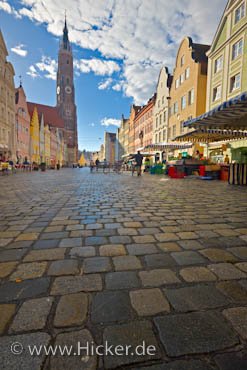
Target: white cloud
7,8
97,66
103,85
47,68
110,122
91,124
19,50
141,34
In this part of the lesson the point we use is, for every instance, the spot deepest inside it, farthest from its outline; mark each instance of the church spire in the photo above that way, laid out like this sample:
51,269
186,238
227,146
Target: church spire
65,35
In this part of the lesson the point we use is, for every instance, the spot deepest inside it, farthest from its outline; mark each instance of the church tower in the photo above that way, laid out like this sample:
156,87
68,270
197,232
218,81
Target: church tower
66,95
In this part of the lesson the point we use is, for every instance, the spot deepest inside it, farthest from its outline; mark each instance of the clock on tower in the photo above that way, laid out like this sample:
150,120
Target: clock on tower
66,95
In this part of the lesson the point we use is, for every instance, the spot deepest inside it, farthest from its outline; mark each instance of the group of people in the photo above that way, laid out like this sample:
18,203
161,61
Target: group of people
97,165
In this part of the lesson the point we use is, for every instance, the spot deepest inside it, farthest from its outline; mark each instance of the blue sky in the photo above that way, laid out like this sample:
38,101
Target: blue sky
119,47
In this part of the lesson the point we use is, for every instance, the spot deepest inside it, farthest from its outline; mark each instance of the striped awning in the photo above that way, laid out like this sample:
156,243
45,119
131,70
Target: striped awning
163,146
232,115
205,135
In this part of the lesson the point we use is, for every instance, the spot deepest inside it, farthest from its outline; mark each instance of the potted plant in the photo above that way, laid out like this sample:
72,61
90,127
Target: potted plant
43,166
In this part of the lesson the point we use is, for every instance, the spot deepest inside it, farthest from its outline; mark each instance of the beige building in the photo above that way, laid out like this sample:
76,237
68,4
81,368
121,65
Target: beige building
122,142
160,110
7,105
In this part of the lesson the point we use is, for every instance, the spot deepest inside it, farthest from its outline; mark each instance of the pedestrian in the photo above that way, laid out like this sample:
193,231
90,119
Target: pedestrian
97,164
104,165
91,166
138,159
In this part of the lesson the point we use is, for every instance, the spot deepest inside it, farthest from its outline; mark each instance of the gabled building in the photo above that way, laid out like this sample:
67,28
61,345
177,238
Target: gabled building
160,110
34,134
22,120
131,144
122,140
188,88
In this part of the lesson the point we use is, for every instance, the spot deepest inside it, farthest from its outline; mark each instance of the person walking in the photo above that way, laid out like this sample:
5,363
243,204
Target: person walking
97,164
104,165
91,166
138,159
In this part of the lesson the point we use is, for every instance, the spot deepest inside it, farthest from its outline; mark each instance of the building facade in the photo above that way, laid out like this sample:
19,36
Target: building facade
161,106
109,147
143,124
22,119
188,88
7,105
122,139
66,96
34,134
131,144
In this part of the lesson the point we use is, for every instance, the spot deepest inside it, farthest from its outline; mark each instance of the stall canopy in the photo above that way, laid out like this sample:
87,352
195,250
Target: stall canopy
165,146
205,135
230,115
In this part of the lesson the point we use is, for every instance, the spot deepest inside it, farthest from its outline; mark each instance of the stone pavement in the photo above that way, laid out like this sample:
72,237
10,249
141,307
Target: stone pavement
95,258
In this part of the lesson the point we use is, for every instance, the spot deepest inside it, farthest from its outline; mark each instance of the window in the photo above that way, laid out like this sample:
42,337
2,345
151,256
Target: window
164,117
218,64
164,135
169,132
182,126
177,83
156,138
235,82
181,78
159,137
175,107
182,61
187,73
156,122
174,130
240,13
160,120
237,49
183,102
217,93
191,97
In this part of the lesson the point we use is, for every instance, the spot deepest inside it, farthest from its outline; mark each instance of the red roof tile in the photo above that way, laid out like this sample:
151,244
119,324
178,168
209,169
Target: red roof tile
51,115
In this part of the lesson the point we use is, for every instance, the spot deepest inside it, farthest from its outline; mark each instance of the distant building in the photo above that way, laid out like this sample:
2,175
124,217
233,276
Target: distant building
22,120
143,125
131,144
7,105
109,147
122,139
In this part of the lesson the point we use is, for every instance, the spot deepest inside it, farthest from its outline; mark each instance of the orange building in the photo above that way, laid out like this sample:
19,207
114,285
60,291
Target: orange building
189,85
143,125
22,119
133,112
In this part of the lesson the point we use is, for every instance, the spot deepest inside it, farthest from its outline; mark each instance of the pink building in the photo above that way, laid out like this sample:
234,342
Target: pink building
143,124
22,119
53,145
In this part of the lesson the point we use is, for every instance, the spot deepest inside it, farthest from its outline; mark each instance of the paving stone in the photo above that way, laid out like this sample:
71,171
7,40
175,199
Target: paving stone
155,278
207,234
169,247
75,362
23,361
96,264
188,258
82,252
122,263
73,284
231,361
190,244
106,232
71,310
51,229
166,237
141,249
227,232
238,318
132,224
226,271
6,313
27,236
180,365
187,235
127,231
12,254
159,260
197,274
57,235
233,290
242,266
120,239
4,242
148,230
115,225
63,267
12,291
70,242
196,298
240,252
131,334
244,238
111,306
111,250
45,255
96,240
6,268
94,226
46,244
8,234
218,255
148,302
80,233
29,271
32,315
122,280
197,332
74,227
221,242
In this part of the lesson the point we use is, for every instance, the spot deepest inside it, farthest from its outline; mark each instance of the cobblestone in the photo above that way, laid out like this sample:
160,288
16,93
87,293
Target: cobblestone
71,310
148,302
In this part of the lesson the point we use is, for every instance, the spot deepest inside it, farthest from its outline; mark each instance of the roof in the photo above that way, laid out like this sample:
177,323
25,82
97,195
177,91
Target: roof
199,52
51,115
231,114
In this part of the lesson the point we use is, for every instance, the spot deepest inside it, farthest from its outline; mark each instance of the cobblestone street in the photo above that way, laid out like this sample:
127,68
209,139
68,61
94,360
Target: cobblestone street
120,259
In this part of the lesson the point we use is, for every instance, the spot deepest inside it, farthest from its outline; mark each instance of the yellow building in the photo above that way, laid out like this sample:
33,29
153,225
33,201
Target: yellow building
34,134
47,144
188,89
227,69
